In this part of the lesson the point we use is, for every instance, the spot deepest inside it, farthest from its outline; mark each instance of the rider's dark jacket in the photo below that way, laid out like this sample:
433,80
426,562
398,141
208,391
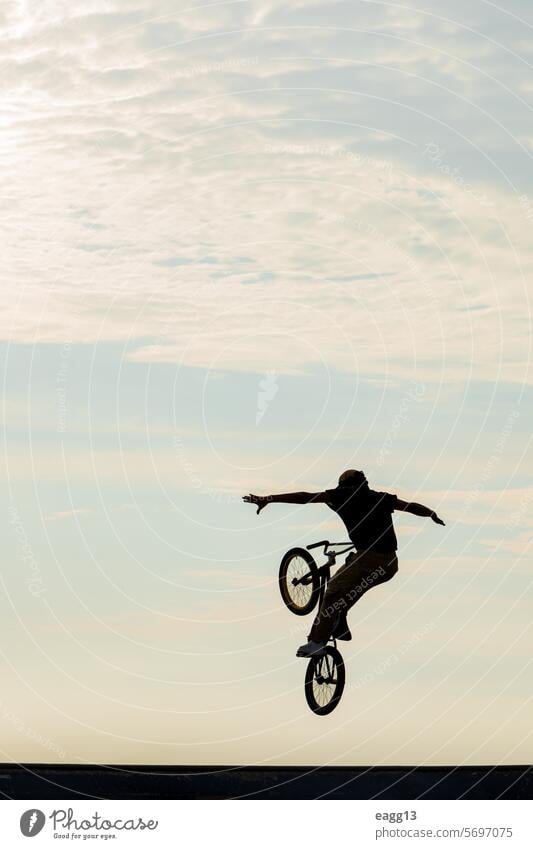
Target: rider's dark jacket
367,515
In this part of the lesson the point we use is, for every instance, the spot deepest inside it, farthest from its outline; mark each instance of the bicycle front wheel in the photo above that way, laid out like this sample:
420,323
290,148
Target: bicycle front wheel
298,581
324,681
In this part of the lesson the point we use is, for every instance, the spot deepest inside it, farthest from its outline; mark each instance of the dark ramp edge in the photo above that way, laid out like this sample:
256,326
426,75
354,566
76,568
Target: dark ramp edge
43,781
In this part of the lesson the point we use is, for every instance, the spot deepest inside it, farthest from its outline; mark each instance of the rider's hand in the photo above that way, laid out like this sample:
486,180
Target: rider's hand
436,519
259,500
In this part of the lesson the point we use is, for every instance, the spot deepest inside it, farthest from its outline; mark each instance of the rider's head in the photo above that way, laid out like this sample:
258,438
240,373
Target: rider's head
353,478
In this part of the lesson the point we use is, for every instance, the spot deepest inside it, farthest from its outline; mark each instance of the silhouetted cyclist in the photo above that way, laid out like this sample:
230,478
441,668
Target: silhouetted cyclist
368,518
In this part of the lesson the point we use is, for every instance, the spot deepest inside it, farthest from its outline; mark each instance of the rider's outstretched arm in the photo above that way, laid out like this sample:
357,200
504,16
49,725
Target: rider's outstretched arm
285,498
417,510
297,497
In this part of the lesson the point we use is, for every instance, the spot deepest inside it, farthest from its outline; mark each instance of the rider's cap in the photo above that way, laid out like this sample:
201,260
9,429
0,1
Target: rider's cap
352,477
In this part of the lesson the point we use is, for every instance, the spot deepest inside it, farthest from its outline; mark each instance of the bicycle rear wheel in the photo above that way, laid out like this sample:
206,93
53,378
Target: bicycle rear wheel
324,681
299,583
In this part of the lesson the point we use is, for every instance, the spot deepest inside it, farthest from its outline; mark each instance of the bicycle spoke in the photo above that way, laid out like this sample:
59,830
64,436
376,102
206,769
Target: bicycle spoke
300,593
324,692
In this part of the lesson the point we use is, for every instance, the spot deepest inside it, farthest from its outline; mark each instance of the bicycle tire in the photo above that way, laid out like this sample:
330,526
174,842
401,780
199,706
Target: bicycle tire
329,665
300,598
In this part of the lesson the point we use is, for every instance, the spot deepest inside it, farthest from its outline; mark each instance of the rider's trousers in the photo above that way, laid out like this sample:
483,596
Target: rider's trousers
361,571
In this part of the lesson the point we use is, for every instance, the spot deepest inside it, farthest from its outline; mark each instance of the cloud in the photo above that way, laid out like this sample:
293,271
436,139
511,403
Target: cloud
518,544
67,514
481,504
153,140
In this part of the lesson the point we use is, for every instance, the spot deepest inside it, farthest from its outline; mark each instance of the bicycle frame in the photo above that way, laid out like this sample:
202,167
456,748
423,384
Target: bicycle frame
324,571
325,674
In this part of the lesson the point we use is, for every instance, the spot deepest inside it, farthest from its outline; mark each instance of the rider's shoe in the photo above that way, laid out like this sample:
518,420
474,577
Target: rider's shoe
311,649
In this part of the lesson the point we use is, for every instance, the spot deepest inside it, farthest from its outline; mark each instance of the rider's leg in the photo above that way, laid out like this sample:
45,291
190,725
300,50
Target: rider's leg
360,573
341,630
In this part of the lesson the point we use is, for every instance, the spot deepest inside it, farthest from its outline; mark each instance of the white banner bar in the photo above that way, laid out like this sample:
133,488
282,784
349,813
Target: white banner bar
265,824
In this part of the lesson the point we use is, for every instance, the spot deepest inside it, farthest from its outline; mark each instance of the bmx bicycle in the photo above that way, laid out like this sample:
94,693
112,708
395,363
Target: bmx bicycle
302,584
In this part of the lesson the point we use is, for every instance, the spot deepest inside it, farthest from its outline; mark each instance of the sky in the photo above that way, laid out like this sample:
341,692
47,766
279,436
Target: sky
247,245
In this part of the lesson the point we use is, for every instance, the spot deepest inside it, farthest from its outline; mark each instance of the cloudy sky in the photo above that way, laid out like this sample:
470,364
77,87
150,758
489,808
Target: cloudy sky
247,245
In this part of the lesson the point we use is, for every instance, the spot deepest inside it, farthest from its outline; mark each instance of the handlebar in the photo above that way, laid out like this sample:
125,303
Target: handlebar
326,543
317,544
